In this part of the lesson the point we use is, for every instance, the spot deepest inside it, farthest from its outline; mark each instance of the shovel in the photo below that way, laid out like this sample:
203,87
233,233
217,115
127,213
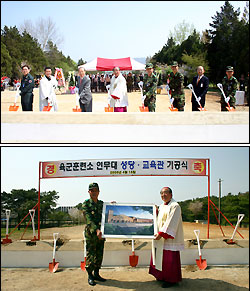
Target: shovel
221,88
231,241
47,108
190,86
54,265
172,108
15,107
201,263
108,109
77,109
33,224
133,260
142,108
7,240
83,263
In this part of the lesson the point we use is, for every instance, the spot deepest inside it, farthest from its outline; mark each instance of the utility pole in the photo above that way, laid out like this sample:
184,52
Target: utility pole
219,196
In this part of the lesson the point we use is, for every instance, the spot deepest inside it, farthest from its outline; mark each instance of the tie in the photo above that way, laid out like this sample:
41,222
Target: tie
198,80
80,81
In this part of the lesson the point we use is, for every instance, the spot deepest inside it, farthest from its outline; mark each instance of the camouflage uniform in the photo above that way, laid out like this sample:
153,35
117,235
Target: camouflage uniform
229,88
94,247
149,90
177,90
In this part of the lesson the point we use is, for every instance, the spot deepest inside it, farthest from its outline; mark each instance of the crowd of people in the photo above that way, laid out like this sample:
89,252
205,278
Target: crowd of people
100,81
118,85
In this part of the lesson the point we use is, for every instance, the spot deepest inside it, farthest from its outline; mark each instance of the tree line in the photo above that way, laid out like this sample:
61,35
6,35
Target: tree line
230,206
19,48
20,201
226,43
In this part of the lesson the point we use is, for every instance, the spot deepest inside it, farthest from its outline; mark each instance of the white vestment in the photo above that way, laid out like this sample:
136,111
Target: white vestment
47,89
169,221
118,88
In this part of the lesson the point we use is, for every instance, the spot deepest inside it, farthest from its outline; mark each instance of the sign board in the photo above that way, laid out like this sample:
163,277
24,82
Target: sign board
128,220
124,167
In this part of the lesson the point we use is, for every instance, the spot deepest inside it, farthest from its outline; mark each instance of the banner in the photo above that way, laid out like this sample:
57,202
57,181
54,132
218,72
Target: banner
124,167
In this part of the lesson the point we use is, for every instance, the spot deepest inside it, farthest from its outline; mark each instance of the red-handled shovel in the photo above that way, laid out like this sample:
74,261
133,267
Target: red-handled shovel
15,107
201,263
47,108
229,108
83,263
54,265
133,260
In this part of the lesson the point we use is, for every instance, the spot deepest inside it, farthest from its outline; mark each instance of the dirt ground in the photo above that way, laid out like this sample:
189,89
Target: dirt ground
233,278
75,232
66,102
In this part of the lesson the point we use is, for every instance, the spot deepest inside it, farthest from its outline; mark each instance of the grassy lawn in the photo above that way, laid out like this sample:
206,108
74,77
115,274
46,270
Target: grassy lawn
16,235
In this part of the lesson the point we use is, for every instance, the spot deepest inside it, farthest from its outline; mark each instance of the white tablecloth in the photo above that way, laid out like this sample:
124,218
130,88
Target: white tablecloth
239,96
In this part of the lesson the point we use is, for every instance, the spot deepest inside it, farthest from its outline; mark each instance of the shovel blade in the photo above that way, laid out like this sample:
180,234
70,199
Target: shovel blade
77,109
143,108
83,265
201,263
230,242
47,108
173,109
133,260
13,107
202,109
230,109
53,267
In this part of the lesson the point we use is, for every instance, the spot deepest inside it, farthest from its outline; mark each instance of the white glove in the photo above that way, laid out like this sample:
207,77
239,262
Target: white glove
50,102
199,99
167,88
171,100
143,97
227,99
76,89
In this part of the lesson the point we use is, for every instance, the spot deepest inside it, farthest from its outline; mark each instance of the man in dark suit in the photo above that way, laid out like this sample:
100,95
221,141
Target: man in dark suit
200,84
84,86
26,89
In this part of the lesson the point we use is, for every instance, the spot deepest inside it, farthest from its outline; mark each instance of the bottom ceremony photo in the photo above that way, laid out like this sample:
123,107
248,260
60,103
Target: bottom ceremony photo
125,218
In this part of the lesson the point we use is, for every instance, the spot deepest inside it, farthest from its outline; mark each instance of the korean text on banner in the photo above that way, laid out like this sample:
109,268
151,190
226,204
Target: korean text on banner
124,167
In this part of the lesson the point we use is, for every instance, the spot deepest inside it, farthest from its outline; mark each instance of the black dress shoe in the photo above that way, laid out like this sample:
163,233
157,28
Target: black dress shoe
99,278
167,284
91,281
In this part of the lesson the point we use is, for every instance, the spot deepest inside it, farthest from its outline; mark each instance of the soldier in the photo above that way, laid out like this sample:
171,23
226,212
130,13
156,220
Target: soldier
229,83
26,88
149,88
176,80
92,210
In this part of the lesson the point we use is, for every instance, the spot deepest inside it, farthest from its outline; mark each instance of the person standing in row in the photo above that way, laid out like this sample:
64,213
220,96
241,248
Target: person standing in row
92,211
200,84
165,264
47,95
118,92
229,84
26,89
84,87
176,80
149,88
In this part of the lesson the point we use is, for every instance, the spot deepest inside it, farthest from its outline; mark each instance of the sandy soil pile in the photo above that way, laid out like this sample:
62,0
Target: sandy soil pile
235,278
67,101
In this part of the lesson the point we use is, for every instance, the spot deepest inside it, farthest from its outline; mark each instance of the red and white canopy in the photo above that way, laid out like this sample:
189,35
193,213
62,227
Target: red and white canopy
125,64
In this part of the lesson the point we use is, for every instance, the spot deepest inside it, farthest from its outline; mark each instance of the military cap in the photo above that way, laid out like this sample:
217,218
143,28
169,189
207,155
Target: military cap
93,185
229,69
149,65
174,64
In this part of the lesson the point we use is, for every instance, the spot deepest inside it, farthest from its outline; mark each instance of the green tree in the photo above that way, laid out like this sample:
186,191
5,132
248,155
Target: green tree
181,31
228,42
81,62
71,81
5,61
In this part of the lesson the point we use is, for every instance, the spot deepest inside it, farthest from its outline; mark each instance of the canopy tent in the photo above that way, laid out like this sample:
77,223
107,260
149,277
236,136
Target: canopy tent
125,64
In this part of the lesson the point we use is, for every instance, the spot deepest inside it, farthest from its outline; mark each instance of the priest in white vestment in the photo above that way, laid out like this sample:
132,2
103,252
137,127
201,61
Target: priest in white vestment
118,92
165,263
47,87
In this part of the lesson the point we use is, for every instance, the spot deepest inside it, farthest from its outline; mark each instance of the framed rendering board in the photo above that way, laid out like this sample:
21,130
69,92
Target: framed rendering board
128,220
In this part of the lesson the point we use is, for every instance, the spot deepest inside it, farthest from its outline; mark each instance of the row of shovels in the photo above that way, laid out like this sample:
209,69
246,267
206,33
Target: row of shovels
142,108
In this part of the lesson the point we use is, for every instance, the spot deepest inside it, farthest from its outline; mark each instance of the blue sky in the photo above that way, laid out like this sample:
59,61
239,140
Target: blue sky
19,170
114,29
